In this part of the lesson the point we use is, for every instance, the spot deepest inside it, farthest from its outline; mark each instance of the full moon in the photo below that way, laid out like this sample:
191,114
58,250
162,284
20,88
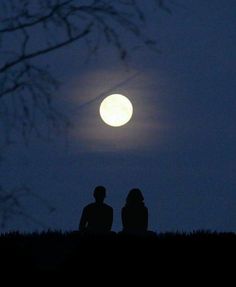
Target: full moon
116,110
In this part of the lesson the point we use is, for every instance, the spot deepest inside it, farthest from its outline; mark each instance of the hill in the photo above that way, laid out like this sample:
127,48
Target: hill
56,251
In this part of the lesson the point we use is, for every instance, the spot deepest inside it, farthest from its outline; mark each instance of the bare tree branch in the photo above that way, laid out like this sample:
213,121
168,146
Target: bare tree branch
11,205
60,23
46,50
38,20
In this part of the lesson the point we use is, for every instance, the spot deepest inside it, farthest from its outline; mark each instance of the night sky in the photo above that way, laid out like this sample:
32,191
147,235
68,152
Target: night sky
180,146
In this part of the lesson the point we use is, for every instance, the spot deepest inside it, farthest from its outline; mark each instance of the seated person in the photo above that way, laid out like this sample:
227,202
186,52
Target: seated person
97,217
135,214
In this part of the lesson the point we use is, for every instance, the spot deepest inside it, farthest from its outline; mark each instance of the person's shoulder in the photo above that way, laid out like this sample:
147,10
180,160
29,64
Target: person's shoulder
145,208
108,206
124,208
89,206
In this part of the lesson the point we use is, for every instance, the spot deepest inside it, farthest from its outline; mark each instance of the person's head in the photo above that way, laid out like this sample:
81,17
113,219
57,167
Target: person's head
99,193
134,196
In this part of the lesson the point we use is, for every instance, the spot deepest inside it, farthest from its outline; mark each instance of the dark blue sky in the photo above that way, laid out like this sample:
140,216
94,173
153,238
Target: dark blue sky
180,146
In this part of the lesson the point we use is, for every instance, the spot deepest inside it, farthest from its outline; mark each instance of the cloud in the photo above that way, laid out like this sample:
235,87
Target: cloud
90,133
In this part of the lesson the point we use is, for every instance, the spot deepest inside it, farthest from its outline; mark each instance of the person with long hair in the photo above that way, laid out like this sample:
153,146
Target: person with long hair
135,214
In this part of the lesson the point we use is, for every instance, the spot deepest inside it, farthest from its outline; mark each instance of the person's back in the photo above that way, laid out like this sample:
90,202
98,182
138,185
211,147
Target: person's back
135,219
97,217
135,213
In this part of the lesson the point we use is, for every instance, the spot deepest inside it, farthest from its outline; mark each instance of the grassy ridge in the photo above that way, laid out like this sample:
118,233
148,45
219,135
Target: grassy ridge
61,251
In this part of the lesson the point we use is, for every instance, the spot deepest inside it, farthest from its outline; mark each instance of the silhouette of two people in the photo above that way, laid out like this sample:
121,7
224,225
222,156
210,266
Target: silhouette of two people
97,217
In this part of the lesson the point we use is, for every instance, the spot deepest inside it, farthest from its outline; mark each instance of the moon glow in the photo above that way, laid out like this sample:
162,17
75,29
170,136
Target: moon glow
116,110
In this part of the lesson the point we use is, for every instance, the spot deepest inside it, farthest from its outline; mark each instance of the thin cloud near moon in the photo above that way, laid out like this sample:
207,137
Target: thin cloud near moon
91,134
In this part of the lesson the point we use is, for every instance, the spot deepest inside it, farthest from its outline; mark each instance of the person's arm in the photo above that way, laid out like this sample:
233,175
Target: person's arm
111,220
146,219
83,221
123,218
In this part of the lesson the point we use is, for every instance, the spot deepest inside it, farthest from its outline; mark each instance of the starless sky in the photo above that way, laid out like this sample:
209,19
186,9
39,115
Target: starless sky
180,146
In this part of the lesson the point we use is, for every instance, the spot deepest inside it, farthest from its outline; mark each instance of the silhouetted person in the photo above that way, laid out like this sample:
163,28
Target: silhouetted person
97,217
135,214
